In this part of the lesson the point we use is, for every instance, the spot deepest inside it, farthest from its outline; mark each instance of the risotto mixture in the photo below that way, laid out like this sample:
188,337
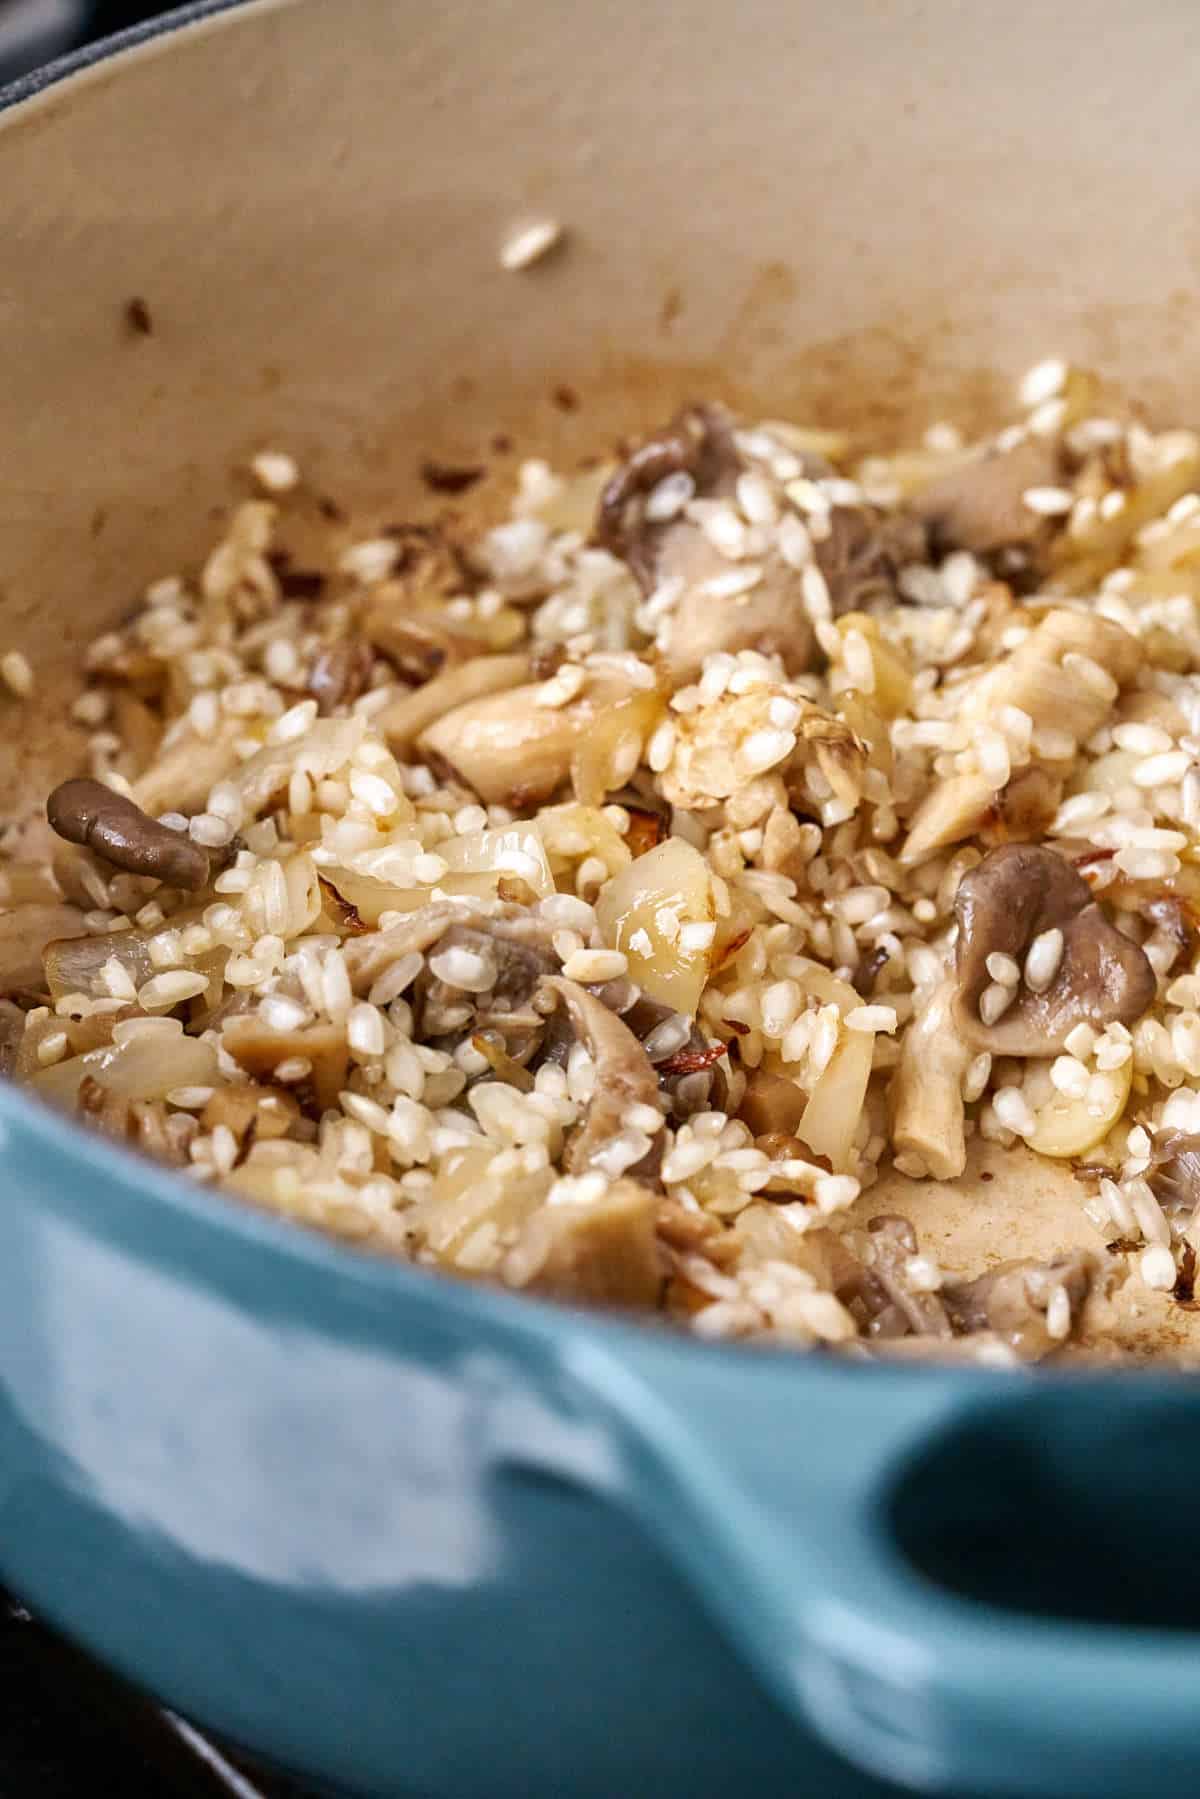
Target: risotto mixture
685,895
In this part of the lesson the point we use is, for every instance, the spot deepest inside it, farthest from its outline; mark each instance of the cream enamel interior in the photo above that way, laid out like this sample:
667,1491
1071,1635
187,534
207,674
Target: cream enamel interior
876,217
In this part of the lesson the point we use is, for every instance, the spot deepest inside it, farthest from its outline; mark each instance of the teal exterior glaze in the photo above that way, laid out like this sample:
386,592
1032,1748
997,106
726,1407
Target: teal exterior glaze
408,1536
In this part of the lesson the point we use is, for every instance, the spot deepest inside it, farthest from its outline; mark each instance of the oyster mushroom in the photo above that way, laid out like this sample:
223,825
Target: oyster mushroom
115,828
625,1079
514,750
891,1244
404,719
1174,1171
1083,970
926,1099
340,674
1067,697
858,556
1012,1300
595,1251
979,505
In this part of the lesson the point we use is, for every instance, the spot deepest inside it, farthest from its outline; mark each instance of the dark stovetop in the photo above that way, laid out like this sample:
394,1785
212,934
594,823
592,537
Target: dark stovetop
68,1731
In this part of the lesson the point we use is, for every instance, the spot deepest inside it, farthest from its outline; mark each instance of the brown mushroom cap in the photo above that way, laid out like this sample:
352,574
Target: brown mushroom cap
624,1077
1011,1299
89,813
858,556
979,505
1014,895
1174,1171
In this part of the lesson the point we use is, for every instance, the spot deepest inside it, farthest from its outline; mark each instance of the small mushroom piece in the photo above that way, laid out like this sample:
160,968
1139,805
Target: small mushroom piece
1089,972
859,554
1036,679
891,1244
115,828
1174,1172
340,674
979,505
143,1124
1012,1300
513,751
771,1103
260,1050
625,1078
405,718
600,1251
926,1098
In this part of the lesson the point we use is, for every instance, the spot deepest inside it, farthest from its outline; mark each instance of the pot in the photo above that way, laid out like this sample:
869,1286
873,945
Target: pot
407,1536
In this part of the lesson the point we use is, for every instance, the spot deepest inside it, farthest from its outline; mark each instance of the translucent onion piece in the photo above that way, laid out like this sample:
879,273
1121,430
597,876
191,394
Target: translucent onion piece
642,910
147,1066
324,748
73,964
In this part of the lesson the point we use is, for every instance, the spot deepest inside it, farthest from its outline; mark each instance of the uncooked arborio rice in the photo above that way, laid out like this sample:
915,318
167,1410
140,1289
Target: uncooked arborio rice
606,902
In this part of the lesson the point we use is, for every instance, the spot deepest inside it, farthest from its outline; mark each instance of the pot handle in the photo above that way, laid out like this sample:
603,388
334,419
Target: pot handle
781,1489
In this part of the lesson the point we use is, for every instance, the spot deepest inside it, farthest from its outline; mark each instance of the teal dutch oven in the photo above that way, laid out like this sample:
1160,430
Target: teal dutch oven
405,1536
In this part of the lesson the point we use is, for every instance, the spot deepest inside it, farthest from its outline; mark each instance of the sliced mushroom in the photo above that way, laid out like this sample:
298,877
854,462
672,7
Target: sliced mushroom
1174,1172
1012,1300
858,555
115,828
891,1244
624,1078
404,720
512,955
260,1050
980,506
926,1098
1019,894
143,1124
513,929
340,674
1036,679
253,1113
771,1103
511,750
599,1252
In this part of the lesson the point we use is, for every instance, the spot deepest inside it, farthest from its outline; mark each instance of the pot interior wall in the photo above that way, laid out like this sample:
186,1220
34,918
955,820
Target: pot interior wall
282,225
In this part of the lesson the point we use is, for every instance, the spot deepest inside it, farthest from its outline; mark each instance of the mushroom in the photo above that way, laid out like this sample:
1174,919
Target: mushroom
1174,1171
406,718
260,1050
979,505
625,1078
512,930
858,556
771,1103
143,1124
506,959
1083,970
254,1114
512,749
926,1098
340,673
93,815
1059,695
891,1244
1012,1300
600,1251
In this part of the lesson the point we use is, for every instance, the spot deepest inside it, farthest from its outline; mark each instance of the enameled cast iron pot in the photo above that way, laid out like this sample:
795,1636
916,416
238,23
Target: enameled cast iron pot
409,1536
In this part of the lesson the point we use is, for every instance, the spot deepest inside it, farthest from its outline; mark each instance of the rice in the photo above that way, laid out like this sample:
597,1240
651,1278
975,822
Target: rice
746,791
